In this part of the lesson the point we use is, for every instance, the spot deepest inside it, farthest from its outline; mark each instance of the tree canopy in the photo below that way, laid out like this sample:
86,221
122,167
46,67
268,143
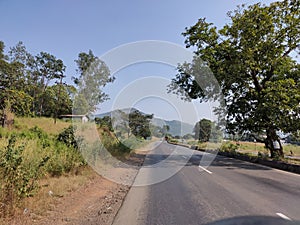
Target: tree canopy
34,85
140,124
202,130
93,75
252,59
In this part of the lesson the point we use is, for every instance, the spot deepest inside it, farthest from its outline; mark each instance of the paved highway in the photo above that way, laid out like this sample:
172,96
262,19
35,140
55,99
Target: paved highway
229,191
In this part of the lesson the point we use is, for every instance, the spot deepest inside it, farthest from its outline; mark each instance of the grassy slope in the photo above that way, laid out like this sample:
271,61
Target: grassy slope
41,202
46,124
33,152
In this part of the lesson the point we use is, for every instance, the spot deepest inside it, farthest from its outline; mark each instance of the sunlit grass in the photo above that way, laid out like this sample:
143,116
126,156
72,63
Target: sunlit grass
46,124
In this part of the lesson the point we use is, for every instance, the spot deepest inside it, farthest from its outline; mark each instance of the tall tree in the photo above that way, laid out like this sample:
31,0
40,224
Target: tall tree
165,129
12,85
251,59
203,130
48,68
58,101
93,76
140,124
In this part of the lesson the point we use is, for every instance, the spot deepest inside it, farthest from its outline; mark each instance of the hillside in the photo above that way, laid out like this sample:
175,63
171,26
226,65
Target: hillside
176,127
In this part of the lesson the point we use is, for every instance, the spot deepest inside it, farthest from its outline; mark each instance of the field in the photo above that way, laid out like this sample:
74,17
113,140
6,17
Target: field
249,147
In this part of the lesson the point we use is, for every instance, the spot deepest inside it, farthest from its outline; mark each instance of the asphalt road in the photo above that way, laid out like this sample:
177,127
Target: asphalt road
175,190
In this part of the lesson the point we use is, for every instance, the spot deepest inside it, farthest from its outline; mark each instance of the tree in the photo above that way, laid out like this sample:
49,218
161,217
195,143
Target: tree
156,131
12,85
48,68
33,85
104,122
140,124
58,101
203,130
93,75
165,129
251,59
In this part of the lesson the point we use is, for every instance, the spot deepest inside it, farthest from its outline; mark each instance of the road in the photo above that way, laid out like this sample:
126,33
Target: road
227,191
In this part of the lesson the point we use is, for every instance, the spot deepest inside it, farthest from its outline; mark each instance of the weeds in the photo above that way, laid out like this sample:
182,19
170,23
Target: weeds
18,178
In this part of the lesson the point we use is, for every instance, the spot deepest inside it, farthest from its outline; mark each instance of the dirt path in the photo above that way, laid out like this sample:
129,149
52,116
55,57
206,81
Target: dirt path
94,203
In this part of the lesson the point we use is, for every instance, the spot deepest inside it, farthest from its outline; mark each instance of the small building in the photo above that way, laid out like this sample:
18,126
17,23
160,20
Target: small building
82,118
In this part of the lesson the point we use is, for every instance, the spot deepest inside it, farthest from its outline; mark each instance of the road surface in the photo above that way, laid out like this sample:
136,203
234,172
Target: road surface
227,191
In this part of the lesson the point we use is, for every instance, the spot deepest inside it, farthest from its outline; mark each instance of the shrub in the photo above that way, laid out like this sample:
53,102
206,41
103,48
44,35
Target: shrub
63,159
67,136
18,178
229,147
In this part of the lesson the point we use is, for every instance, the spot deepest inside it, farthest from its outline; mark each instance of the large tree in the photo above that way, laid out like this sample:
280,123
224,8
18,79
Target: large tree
140,124
252,59
33,85
12,85
202,130
93,76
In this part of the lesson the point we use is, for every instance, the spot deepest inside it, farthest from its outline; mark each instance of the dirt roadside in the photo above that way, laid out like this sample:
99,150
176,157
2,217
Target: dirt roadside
95,203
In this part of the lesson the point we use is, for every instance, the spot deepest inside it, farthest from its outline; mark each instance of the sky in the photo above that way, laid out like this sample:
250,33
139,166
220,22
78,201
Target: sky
65,28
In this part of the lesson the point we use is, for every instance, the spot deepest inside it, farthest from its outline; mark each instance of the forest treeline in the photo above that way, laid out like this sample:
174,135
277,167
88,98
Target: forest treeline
35,85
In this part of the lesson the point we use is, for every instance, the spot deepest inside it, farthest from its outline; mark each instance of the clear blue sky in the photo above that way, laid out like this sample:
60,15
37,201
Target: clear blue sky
66,27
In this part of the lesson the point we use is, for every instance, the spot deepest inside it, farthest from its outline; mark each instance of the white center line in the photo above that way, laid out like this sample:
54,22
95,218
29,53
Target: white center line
283,216
201,167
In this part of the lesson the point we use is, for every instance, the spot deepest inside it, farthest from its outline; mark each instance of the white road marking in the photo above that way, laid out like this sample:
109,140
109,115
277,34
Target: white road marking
184,157
201,167
283,216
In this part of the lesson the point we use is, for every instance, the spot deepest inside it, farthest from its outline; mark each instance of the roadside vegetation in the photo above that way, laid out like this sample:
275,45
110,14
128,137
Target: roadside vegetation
40,159
29,153
253,59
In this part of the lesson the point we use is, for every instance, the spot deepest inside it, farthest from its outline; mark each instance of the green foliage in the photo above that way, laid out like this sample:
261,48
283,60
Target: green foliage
113,145
33,84
206,130
67,136
31,153
63,159
140,124
18,178
58,100
251,59
104,122
229,147
172,140
203,129
156,131
93,75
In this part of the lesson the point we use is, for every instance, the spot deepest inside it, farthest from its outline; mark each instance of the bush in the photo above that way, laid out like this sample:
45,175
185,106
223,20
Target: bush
229,147
63,159
67,136
17,176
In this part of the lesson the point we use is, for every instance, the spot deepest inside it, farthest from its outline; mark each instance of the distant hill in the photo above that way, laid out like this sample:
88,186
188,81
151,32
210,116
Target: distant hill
176,127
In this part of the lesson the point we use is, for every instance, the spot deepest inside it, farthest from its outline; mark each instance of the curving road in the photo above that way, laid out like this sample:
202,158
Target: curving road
229,191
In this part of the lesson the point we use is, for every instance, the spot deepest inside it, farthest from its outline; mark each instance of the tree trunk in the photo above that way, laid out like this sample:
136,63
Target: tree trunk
273,143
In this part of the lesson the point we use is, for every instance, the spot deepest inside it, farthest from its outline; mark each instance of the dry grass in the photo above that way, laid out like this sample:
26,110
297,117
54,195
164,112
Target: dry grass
46,124
294,148
250,147
254,148
52,189
59,186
